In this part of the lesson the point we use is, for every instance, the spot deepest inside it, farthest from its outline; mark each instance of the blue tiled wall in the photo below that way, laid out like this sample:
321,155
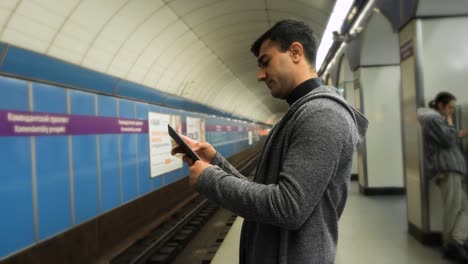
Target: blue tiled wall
143,174
52,166
109,158
16,193
75,178
128,154
85,162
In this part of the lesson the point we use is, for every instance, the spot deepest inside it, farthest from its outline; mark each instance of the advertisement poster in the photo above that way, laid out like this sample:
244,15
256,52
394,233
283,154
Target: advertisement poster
161,143
196,129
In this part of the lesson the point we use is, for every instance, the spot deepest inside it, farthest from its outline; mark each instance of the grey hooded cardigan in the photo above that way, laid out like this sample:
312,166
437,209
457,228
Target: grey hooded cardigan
442,152
291,210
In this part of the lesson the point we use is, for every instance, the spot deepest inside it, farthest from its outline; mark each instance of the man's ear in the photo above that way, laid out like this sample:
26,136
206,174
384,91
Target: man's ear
296,51
440,106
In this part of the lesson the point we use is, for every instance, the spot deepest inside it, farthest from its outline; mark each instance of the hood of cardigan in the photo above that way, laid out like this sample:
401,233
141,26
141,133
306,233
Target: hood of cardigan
332,93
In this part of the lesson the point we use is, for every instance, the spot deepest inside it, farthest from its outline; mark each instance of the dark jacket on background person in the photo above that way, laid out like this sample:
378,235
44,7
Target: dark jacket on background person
291,210
442,152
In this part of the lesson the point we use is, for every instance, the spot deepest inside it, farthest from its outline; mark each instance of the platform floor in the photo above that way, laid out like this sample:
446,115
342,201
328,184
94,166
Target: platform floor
372,230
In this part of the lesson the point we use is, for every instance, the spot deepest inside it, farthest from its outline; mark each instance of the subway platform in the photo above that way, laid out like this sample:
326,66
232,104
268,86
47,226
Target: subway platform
372,231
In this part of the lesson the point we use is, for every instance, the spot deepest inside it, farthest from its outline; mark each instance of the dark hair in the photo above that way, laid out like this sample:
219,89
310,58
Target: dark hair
442,97
284,33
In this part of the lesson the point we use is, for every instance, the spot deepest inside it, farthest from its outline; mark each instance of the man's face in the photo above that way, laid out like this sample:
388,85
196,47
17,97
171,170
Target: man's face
448,109
275,69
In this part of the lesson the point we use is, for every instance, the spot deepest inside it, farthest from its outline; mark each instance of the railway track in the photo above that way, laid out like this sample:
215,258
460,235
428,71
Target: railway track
167,241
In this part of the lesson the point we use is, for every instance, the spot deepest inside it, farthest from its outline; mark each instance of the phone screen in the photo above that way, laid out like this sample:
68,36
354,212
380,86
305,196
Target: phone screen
188,151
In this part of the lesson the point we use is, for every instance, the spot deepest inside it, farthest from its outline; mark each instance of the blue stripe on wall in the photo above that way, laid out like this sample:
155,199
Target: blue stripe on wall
52,166
85,168
109,157
16,201
140,92
143,152
33,65
128,154
29,64
178,102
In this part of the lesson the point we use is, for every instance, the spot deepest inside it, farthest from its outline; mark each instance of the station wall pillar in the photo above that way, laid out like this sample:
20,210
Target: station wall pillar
434,58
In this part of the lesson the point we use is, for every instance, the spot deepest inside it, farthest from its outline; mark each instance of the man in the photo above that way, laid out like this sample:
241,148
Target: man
291,210
446,166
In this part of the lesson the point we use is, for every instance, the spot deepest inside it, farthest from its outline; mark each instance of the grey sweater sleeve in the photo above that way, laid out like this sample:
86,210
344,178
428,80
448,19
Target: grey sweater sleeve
224,165
315,140
441,133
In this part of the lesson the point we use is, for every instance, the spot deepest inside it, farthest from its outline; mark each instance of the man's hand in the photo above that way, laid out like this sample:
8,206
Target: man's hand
463,133
449,119
195,169
204,150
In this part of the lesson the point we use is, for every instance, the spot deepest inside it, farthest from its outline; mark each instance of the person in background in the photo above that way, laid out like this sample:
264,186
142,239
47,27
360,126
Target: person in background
447,168
291,209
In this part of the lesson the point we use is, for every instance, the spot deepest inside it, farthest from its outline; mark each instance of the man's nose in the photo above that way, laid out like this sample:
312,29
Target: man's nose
261,75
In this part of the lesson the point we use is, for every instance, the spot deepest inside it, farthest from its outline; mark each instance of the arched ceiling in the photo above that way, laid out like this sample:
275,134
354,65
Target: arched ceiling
197,49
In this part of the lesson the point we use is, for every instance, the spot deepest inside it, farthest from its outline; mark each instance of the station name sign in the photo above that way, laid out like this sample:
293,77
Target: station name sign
22,123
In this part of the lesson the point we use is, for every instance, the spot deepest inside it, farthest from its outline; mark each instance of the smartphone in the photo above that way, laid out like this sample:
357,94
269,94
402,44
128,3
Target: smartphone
188,151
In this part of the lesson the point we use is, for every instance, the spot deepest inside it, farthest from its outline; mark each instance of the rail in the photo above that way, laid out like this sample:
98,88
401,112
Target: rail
171,241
